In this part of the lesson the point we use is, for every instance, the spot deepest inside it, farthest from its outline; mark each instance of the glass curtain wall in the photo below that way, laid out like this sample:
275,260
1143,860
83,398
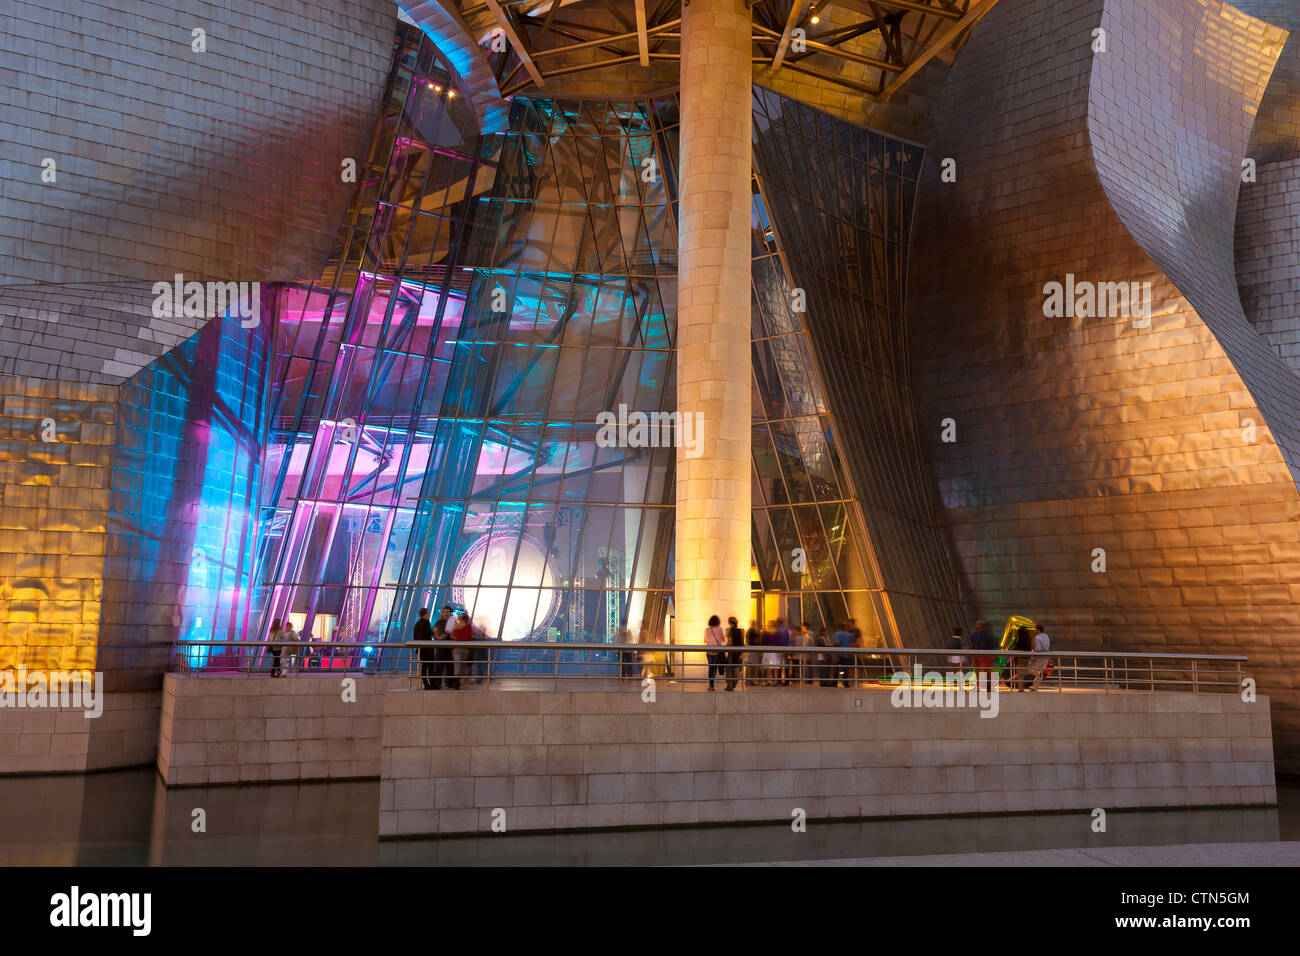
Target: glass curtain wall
435,430
437,391
848,526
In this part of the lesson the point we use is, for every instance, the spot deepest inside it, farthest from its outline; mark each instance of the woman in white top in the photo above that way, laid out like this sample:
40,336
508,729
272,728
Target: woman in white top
714,637
773,661
290,642
1038,663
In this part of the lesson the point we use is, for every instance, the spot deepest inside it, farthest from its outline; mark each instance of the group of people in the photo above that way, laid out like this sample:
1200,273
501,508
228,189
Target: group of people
1016,673
284,642
829,666
730,662
443,663
832,665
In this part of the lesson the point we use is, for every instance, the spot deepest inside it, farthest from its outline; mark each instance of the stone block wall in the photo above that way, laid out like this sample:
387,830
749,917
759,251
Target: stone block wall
64,740
555,760
237,730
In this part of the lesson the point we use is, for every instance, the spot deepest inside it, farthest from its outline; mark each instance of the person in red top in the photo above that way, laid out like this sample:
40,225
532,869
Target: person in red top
462,630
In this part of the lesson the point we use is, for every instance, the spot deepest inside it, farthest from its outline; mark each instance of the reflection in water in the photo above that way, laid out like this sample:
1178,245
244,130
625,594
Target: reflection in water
127,817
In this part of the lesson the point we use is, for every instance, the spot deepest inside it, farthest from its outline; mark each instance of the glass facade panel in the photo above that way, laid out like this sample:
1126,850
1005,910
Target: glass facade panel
437,391
833,419
438,395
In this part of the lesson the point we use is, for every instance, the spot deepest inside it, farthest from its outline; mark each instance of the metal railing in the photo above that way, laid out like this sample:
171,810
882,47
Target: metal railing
259,658
465,664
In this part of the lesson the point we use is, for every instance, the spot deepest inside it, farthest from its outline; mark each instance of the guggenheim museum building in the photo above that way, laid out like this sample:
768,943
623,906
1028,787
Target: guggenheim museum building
594,315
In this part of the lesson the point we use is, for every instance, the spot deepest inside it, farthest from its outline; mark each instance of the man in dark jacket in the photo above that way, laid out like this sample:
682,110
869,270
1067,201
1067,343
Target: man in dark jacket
735,658
424,632
444,666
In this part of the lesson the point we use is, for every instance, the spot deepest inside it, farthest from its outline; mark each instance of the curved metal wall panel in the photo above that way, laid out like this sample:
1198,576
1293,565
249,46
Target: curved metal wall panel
128,507
1177,192
90,332
1268,253
180,549
56,474
1089,439
1268,257
1276,137
222,164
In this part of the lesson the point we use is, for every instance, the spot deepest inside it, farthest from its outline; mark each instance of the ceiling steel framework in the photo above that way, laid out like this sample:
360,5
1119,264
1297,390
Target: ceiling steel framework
870,46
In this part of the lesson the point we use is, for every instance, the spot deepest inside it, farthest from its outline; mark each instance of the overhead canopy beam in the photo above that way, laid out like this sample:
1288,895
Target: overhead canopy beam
516,41
602,41
814,47
898,9
888,35
642,40
916,6
796,14
831,78
948,23
974,13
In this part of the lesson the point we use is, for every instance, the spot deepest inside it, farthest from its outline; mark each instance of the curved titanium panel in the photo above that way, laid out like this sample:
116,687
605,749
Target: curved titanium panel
1268,257
91,332
1276,137
221,164
1112,476
1177,192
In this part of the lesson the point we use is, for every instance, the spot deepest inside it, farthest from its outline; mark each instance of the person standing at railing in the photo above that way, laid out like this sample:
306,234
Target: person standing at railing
824,668
735,658
274,646
799,662
858,669
1018,667
461,631
643,641
843,662
626,657
442,661
715,638
781,637
983,640
773,661
422,632
1039,662
290,644
661,665
753,659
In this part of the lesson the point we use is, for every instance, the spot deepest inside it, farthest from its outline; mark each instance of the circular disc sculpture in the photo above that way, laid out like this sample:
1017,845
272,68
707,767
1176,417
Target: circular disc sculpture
513,598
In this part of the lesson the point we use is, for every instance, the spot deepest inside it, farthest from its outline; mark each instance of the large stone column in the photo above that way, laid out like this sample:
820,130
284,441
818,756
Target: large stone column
713,350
